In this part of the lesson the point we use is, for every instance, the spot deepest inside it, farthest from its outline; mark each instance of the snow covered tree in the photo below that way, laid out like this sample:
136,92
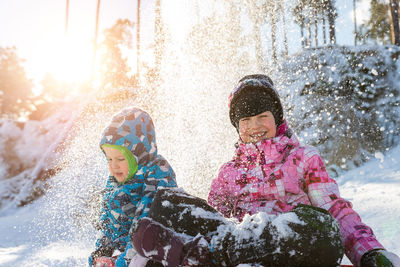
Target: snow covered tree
343,100
15,87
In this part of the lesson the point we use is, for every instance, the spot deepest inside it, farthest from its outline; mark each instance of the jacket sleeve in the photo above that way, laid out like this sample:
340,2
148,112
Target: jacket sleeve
126,256
160,176
220,196
151,185
103,248
323,192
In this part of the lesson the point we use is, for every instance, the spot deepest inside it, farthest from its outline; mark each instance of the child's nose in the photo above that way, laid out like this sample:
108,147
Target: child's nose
115,165
255,123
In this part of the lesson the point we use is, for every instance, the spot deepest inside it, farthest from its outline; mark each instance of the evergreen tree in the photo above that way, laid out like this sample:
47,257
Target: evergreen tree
114,68
377,28
15,87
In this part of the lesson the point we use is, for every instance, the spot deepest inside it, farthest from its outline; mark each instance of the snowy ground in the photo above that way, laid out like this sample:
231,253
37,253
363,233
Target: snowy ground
374,190
39,235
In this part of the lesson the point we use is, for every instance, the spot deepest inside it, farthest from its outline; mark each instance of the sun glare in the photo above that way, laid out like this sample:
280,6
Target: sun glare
68,59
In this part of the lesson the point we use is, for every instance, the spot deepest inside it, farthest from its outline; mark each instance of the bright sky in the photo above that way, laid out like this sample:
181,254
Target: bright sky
36,28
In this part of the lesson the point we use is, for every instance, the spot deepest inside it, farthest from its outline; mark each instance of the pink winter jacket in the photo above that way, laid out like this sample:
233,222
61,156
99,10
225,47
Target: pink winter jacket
275,175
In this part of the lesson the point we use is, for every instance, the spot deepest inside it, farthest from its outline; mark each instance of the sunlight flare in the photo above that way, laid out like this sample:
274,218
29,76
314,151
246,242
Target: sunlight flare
68,59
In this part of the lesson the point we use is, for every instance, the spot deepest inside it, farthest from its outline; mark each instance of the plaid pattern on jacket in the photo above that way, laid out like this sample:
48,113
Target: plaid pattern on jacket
275,175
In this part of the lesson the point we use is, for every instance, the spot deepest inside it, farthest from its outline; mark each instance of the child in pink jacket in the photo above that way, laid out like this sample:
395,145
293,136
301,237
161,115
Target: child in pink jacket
290,210
272,172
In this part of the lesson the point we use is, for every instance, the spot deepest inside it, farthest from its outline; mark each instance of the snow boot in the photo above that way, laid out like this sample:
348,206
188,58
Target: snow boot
159,243
307,236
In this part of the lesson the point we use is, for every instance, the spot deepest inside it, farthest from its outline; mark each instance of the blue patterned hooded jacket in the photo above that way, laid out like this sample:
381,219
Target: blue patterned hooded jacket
124,203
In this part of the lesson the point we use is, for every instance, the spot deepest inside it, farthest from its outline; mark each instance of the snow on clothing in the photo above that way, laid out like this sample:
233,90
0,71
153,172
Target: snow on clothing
125,203
275,175
184,230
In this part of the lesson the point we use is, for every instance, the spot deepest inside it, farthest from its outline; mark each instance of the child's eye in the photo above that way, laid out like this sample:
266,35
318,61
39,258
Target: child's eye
121,159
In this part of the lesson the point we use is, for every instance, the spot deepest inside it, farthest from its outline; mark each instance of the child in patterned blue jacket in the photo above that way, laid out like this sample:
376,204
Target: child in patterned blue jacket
137,172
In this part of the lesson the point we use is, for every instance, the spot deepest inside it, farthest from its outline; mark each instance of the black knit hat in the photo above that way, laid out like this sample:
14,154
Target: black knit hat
253,95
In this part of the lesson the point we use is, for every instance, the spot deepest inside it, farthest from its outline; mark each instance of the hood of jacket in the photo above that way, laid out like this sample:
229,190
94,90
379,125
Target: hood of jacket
133,128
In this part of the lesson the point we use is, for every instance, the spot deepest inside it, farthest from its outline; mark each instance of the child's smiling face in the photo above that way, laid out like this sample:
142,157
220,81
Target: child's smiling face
258,127
117,163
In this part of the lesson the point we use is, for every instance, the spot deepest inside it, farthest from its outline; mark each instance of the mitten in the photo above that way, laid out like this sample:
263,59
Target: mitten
380,258
196,253
154,241
159,243
100,252
104,262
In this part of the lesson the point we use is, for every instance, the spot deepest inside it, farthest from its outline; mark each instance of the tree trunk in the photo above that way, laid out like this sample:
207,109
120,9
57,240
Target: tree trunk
315,27
96,32
159,37
273,37
331,20
285,42
259,50
355,21
257,16
138,40
324,29
394,11
303,45
66,17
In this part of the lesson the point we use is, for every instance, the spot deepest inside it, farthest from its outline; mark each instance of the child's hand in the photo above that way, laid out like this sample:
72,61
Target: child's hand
104,262
380,258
